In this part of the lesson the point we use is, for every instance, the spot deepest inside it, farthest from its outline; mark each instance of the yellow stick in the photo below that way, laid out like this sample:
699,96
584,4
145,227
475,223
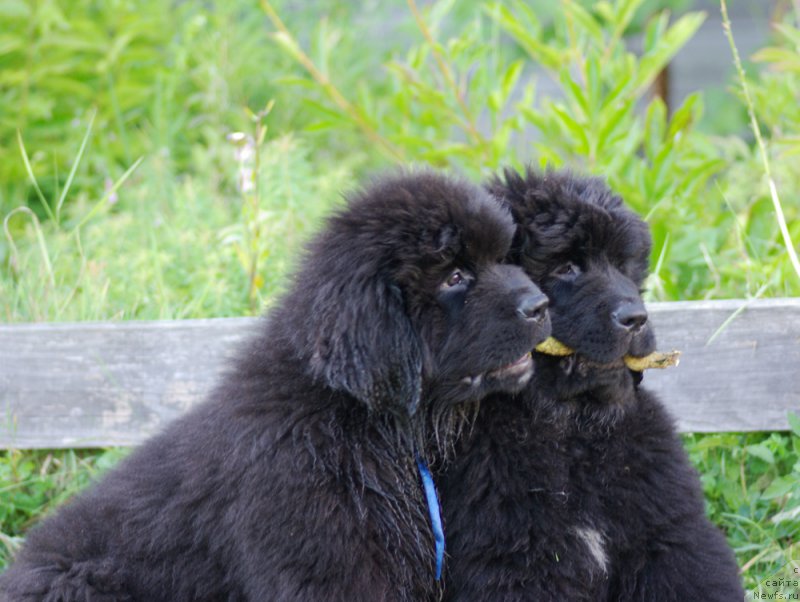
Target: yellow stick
551,346
657,359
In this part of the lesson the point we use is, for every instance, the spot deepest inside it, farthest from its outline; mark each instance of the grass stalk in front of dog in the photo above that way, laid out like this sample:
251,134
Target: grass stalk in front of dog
762,150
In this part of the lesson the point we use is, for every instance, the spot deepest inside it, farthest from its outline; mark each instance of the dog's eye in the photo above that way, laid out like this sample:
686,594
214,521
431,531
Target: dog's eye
566,270
454,279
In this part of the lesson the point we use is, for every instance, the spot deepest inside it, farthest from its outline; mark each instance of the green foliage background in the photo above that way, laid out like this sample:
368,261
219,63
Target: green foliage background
167,160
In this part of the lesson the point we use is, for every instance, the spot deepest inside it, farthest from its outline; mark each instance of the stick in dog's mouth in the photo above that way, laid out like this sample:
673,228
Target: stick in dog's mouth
657,359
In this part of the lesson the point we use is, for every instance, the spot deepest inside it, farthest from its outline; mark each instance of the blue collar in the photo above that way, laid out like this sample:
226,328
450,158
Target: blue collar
433,511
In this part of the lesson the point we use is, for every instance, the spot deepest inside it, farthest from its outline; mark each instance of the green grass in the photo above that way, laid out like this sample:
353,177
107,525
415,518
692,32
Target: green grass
168,247
34,482
751,483
89,90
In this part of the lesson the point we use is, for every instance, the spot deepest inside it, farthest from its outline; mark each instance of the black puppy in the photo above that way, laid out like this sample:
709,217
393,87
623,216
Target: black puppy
579,488
298,479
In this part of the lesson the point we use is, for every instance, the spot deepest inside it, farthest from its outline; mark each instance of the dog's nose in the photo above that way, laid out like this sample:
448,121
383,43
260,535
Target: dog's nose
533,307
630,315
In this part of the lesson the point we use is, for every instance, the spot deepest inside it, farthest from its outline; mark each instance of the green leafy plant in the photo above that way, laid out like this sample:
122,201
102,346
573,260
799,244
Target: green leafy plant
473,105
282,199
163,78
250,248
752,488
32,483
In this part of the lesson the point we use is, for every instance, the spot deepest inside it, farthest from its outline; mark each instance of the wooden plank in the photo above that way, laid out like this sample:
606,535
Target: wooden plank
746,378
91,385
88,385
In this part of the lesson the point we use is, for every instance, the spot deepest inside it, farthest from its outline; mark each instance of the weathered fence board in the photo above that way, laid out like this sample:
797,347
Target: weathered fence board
746,379
86,385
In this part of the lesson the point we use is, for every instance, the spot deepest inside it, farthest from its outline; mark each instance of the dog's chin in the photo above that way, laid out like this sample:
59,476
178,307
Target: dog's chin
510,377
576,375
581,365
458,400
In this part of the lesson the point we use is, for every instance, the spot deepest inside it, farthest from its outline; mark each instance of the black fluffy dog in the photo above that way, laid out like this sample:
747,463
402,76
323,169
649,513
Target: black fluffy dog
579,488
297,479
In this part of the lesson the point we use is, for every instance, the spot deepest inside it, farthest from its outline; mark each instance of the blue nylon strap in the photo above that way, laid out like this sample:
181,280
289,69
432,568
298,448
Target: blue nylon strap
433,511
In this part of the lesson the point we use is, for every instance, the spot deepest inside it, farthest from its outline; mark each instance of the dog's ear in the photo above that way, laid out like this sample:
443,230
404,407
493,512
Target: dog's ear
363,343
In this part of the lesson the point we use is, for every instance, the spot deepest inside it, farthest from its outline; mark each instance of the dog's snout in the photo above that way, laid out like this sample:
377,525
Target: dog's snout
533,307
630,315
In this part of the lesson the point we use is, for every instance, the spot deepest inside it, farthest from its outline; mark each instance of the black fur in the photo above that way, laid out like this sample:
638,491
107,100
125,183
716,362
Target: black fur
579,488
297,480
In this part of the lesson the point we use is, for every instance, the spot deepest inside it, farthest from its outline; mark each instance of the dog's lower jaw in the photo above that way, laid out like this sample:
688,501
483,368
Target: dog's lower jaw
591,394
456,407
510,378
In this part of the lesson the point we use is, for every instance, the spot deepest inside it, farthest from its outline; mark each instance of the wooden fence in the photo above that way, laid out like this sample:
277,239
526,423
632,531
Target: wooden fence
104,384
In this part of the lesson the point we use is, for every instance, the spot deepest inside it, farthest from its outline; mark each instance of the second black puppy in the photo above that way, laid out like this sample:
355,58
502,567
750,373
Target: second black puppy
579,488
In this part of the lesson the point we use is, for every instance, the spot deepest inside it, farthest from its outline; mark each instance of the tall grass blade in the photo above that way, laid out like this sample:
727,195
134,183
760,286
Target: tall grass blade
39,239
773,191
75,164
32,178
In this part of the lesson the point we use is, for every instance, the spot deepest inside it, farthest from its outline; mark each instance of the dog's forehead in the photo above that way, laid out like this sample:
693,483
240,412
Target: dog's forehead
487,227
419,218
619,235
478,223
457,215
586,224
